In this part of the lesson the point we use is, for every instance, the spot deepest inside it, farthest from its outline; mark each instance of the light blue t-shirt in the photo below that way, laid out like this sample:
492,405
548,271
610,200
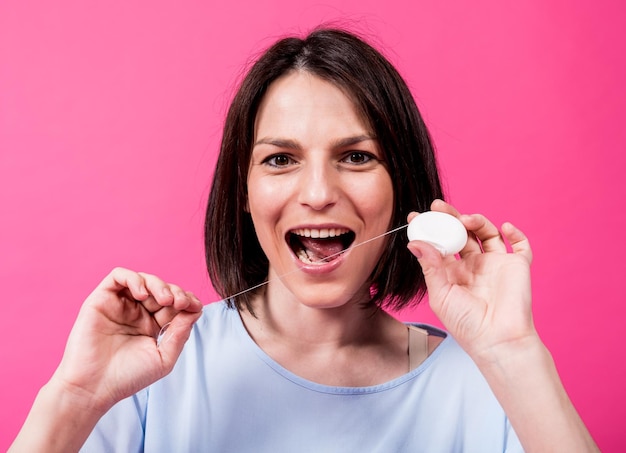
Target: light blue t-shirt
226,395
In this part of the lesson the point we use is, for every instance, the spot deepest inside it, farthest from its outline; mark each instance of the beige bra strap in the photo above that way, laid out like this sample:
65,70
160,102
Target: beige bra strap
418,346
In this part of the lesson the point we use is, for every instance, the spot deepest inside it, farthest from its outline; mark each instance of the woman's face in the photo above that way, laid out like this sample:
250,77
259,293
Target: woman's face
317,184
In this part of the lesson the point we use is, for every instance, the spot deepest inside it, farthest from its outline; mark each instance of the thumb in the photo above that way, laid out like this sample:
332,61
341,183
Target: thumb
174,338
434,270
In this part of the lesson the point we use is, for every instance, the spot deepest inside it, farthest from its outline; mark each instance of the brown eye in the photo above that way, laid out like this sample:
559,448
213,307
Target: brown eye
357,158
278,160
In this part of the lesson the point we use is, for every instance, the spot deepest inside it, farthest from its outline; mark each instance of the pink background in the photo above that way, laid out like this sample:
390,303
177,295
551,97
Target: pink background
110,116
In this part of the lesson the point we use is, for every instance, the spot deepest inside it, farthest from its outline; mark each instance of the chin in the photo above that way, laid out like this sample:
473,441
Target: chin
326,297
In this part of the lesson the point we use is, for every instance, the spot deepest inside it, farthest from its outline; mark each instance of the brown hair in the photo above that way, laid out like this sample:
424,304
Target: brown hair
234,257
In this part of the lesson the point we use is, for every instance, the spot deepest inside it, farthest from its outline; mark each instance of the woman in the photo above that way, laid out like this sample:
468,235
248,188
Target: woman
323,150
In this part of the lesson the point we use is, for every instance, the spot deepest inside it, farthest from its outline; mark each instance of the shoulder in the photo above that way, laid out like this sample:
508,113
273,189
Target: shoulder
217,310
449,370
216,315
218,323
445,355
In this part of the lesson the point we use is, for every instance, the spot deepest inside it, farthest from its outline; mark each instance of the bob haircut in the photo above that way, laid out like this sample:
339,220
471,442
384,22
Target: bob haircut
234,257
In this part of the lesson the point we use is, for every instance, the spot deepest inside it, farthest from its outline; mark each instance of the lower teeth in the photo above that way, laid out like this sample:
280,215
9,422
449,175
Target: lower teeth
305,258
302,256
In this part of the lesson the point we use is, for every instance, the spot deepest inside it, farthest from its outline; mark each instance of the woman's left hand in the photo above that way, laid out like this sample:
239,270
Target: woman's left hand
483,298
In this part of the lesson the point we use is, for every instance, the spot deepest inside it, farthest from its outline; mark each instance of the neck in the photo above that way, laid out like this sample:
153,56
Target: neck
345,345
279,314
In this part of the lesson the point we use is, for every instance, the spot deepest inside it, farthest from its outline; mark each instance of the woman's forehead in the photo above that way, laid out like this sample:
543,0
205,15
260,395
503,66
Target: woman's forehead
300,104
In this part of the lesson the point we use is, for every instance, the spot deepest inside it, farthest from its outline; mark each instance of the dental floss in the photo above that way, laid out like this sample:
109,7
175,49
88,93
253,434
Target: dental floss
161,334
324,259
439,229
443,231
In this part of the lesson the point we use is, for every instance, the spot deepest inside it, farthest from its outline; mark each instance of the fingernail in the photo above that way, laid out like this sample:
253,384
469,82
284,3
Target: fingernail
417,253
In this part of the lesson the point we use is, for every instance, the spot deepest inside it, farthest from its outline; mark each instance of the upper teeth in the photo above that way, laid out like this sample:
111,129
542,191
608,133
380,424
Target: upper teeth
320,233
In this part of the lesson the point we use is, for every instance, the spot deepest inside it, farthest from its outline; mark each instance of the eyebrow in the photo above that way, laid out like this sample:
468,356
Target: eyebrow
293,144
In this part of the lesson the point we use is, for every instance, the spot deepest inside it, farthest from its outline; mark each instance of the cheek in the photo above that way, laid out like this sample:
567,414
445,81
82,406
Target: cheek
265,197
266,205
376,197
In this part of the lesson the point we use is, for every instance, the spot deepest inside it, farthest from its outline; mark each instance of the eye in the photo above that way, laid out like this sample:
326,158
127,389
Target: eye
278,160
358,158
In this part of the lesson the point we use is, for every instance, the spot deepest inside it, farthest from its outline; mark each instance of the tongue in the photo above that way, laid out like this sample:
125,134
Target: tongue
319,249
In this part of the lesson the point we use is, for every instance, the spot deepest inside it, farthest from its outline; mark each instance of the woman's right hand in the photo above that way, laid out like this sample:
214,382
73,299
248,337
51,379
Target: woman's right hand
111,353
112,350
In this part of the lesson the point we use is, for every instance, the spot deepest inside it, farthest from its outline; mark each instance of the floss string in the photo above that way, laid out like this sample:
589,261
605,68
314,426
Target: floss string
160,336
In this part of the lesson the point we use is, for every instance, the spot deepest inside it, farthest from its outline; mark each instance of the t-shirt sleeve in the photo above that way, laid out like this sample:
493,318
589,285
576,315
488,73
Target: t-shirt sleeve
121,429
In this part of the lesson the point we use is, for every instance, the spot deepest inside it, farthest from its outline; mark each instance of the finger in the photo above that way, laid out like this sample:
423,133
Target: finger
168,294
485,231
518,240
194,305
442,206
174,338
433,268
473,244
152,292
161,292
120,279
182,299
167,299
437,205
185,301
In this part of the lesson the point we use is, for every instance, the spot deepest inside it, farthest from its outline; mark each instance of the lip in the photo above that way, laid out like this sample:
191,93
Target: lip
324,268
318,269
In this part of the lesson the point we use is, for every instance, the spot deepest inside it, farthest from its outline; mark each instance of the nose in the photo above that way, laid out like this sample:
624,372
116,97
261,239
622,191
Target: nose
319,185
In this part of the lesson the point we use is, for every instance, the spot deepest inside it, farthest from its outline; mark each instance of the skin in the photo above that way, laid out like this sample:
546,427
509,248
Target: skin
484,299
316,164
111,353
305,173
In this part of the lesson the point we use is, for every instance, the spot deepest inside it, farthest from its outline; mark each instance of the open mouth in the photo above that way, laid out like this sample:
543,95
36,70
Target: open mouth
317,246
